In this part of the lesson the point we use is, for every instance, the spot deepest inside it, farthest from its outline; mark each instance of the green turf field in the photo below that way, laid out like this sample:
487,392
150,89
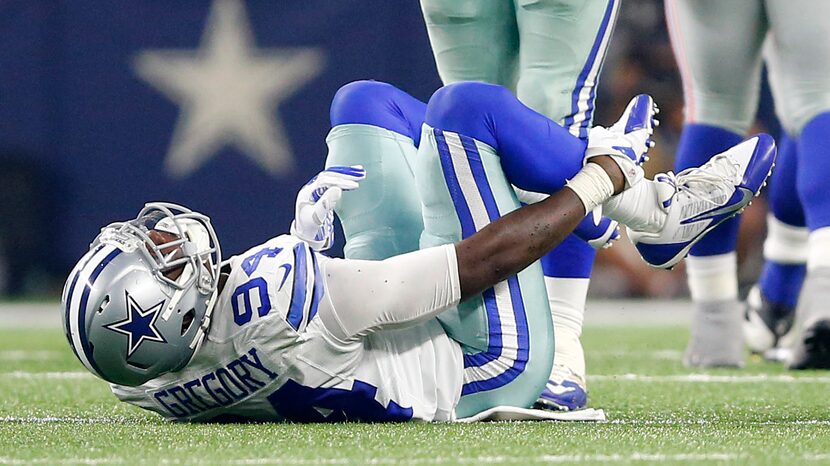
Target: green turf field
53,413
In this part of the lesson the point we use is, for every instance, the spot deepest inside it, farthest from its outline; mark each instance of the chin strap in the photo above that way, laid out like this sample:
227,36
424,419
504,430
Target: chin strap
178,294
205,325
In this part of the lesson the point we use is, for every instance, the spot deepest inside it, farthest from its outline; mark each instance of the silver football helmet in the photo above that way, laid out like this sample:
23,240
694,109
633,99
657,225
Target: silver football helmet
138,304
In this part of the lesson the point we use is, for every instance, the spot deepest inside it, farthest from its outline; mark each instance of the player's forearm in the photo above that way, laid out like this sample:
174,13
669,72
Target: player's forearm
513,242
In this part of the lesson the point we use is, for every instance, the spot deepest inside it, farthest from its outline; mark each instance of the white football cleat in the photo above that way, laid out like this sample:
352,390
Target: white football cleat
628,140
699,199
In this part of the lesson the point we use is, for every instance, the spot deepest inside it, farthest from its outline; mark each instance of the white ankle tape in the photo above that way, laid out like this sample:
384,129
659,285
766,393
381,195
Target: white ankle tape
713,278
785,243
592,185
818,244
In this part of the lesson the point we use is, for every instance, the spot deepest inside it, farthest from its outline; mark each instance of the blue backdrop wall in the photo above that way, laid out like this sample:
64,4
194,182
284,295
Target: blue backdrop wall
221,106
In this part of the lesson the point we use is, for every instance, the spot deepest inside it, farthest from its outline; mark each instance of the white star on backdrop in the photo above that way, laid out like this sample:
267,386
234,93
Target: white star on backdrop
228,91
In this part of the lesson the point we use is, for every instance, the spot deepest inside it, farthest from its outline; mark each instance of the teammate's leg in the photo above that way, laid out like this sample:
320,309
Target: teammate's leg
799,62
771,303
473,40
563,45
378,126
721,79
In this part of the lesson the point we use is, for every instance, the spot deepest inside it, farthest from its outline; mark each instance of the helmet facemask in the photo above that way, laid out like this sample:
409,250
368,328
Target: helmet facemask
181,250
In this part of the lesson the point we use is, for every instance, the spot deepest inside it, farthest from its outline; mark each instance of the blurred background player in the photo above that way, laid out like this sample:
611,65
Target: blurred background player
550,55
719,47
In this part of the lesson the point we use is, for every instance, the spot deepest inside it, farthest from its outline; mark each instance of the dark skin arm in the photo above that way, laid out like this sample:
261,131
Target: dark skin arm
513,242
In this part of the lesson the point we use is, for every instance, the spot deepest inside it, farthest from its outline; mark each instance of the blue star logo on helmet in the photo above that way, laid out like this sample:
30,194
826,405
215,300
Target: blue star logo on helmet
139,326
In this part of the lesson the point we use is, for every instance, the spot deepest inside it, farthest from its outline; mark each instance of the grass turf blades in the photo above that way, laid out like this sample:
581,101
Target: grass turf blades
51,412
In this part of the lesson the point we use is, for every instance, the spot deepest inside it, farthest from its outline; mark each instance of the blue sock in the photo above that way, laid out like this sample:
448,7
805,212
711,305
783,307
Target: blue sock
814,171
697,145
782,192
781,282
572,258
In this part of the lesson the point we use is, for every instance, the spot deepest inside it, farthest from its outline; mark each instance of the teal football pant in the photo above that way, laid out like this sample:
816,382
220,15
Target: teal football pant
548,52
506,333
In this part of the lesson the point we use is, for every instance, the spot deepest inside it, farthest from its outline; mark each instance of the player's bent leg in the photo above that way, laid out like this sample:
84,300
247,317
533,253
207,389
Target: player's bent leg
536,154
493,121
477,137
378,126
506,333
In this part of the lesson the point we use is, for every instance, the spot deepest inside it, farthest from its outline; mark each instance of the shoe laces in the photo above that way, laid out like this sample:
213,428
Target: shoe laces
718,174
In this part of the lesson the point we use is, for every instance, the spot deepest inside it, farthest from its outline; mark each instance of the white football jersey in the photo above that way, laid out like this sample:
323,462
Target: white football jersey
267,358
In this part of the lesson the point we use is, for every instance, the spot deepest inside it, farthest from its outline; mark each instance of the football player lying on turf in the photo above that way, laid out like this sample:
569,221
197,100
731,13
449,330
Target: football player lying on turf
282,332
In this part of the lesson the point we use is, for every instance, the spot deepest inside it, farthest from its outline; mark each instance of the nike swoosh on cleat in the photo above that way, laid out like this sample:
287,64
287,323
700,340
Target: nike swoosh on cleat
560,389
746,195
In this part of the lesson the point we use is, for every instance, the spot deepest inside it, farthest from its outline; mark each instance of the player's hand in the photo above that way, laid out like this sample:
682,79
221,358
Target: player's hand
314,212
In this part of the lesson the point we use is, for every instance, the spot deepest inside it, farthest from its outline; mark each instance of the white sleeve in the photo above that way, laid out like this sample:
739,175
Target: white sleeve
364,296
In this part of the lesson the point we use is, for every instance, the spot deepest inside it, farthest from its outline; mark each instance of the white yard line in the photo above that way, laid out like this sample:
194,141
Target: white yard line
708,378
661,355
592,459
30,315
21,355
639,422
634,457
46,375
65,420
680,378
4,460
699,422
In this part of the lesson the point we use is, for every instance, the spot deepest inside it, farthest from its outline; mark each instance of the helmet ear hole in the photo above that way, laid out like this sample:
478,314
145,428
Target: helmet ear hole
187,320
104,304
